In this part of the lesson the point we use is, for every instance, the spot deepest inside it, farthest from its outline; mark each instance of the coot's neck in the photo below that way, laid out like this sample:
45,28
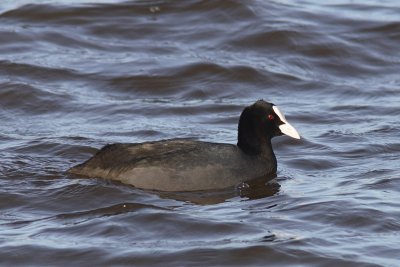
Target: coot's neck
252,141
256,146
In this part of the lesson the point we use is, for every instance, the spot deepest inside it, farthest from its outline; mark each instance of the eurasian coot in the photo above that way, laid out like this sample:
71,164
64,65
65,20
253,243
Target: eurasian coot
188,165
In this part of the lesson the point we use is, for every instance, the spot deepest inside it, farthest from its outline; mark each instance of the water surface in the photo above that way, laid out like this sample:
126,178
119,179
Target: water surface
77,75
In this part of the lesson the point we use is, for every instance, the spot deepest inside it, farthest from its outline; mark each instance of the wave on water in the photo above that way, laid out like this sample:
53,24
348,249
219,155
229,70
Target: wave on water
77,75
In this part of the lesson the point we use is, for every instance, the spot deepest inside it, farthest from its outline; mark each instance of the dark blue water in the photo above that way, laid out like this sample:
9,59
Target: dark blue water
77,75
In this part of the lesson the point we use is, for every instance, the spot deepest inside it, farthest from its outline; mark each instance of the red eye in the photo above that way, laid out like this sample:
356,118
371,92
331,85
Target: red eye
270,117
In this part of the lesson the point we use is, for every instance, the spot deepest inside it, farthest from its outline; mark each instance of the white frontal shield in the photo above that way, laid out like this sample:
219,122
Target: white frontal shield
286,128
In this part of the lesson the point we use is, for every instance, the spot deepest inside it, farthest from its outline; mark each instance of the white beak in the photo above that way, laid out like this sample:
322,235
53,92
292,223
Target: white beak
286,128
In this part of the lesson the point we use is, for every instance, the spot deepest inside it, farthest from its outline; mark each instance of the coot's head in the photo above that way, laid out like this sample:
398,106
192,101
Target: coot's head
259,123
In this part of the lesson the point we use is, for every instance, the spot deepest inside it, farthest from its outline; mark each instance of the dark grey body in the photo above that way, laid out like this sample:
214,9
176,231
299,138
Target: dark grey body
177,165
186,165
